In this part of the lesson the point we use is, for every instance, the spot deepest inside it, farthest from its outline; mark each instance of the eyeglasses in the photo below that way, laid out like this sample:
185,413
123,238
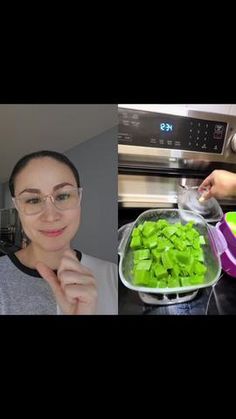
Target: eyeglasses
34,203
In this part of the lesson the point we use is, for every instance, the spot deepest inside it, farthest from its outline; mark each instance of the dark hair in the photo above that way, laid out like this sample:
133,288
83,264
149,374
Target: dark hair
36,155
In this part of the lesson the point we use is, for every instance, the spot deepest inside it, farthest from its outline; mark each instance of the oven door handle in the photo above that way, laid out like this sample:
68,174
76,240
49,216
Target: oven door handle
123,234
124,169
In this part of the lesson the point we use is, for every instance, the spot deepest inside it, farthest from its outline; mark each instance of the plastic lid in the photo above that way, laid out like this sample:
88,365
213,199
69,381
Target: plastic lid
188,199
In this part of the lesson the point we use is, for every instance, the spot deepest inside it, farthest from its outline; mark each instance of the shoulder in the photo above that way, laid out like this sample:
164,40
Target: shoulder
98,264
106,274
5,262
7,269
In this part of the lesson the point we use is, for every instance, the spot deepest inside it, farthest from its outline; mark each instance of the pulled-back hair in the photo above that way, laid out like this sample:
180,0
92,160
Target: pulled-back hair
36,155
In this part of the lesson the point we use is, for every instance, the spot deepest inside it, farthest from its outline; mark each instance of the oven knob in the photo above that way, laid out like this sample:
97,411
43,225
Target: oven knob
233,143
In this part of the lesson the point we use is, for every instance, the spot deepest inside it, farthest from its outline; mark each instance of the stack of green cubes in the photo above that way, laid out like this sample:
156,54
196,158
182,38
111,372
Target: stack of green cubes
167,255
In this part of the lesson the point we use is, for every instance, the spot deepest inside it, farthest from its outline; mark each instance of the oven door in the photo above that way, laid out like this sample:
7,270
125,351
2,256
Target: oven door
140,188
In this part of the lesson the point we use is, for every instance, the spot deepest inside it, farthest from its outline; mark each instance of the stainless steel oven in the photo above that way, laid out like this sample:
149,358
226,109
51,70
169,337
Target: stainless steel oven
157,152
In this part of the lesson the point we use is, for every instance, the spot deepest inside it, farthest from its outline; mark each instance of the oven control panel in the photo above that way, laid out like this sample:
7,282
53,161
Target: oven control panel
150,129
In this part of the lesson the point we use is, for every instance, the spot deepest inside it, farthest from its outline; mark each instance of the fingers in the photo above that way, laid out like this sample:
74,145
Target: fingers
70,262
206,195
73,265
207,188
73,277
51,278
74,286
206,183
48,274
85,296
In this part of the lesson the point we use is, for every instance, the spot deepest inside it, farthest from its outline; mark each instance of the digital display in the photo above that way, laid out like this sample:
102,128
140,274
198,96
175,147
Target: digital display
153,129
165,126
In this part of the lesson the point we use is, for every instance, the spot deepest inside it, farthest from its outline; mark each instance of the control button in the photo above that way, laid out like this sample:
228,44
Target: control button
135,123
125,138
233,143
218,132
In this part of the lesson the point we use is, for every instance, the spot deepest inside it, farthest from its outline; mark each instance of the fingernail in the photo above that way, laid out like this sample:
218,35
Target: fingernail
203,196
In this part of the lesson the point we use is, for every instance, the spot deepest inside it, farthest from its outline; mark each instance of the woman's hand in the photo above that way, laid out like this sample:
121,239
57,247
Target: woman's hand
220,184
74,286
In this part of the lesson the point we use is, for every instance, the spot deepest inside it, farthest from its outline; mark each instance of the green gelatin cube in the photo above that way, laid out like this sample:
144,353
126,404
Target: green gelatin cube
135,232
199,268
149,228
161,283
160,272
156,255
141,254
230,218
189,225
166,260
163,244
169,231
179,243
160,224
136,242
152,283
183,258
143,265
202,240
175,271
185,281
140,227
197,279
141,277
173,282
198,254
151,242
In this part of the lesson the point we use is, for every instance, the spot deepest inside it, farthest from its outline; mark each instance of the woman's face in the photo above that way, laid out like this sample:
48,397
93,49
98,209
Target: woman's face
51,229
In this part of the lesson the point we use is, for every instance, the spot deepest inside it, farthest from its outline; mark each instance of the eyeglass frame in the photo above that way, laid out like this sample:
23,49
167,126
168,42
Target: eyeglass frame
79,189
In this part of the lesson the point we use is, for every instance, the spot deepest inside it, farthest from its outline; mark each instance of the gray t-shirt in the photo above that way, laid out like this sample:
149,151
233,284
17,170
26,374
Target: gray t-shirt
24,291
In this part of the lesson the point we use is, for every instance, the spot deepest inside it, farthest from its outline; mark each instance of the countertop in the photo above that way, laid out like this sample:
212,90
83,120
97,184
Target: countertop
208,301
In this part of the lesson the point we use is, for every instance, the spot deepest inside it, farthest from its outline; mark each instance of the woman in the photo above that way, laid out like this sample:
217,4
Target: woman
47,276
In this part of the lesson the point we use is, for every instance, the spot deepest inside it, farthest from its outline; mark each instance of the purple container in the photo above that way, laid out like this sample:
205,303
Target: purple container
228,235
228,263
224,242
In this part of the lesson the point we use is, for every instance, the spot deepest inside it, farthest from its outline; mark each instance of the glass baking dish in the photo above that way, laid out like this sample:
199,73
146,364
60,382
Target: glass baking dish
211,253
